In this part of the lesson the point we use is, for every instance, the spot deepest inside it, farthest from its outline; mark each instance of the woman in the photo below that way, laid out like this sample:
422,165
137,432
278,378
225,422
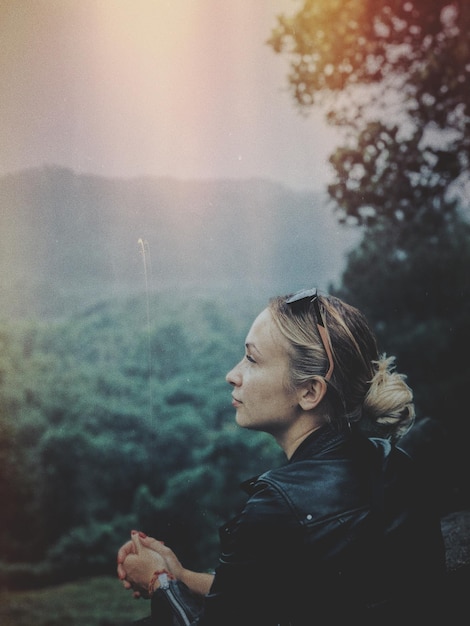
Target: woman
345,529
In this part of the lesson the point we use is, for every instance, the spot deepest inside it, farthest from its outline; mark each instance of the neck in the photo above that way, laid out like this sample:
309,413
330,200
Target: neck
292,440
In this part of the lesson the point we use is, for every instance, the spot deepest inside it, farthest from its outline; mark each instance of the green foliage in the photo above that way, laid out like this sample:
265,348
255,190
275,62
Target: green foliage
110,423
87,548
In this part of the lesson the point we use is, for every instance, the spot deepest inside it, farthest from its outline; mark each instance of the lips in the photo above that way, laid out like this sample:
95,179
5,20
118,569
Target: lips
236,402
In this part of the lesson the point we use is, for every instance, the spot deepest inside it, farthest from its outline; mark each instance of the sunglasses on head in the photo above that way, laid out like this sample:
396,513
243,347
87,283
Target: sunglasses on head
311,295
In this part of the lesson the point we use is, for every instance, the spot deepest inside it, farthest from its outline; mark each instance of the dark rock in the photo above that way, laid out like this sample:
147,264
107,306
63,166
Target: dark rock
456,531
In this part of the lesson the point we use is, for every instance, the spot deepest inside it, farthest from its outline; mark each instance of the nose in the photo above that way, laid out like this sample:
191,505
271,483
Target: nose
234,377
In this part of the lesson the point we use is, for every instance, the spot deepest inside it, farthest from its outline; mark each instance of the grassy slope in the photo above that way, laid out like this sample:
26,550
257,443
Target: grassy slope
92,602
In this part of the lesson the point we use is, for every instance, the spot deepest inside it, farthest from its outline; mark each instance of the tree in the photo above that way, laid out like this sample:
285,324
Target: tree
402,68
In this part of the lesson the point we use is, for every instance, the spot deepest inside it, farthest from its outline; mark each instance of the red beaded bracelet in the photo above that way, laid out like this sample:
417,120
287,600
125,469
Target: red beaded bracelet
154,579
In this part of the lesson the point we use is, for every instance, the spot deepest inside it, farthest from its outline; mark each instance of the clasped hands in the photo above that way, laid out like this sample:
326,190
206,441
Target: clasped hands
140,558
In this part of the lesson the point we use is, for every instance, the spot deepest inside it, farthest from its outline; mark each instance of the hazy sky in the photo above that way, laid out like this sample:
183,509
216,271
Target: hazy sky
184,88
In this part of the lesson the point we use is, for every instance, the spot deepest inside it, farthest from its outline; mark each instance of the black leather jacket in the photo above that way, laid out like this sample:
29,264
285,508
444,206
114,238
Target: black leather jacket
343,531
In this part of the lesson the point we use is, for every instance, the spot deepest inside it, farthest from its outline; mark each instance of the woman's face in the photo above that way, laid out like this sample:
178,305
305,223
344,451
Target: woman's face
261,393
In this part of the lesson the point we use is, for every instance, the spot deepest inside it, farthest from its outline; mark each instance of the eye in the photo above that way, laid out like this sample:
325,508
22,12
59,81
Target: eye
248,357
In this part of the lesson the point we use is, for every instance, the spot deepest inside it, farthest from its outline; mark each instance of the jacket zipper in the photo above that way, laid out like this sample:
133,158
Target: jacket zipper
172,599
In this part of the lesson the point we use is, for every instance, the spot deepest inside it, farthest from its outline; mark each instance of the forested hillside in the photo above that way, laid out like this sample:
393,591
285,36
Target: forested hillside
68,240
124,302
108,424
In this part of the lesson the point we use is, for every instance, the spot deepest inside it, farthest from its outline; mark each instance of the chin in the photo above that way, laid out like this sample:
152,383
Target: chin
246,424
243,423
239,420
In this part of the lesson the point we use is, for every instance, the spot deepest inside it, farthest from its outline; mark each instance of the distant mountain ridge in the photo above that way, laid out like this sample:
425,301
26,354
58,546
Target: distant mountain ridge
68,239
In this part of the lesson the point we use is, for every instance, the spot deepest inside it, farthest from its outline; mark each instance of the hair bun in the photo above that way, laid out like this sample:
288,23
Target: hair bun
388,409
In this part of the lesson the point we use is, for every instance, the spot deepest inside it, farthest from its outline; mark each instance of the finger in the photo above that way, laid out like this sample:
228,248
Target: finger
142,535
150,541
136,542
124,550
123,553
121,572
153,544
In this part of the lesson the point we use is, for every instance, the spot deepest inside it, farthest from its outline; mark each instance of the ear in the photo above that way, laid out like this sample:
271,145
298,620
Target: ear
312,393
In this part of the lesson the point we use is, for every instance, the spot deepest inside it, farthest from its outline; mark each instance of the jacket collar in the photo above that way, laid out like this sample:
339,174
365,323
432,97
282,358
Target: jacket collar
322,440
319,442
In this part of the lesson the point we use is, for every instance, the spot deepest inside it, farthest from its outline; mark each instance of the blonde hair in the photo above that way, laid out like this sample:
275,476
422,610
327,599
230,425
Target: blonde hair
364,386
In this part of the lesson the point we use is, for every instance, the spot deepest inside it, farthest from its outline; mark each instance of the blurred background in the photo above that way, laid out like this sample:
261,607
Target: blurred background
165,168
